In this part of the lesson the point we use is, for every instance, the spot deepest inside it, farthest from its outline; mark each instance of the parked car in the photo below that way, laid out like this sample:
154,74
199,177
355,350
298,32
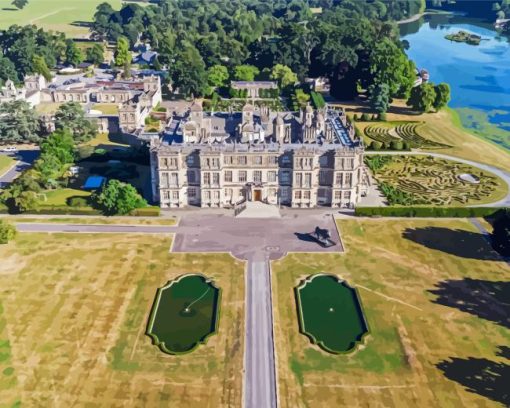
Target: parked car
9,149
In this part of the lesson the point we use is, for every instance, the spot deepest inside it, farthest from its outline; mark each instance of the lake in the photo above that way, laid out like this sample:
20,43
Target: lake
479,76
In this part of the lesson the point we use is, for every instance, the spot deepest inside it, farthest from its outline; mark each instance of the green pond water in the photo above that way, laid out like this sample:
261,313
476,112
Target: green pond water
330,313
184,314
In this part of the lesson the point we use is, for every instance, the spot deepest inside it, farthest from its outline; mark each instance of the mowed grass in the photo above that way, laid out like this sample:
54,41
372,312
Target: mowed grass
410,333
73,315
6,162
93,220
56,15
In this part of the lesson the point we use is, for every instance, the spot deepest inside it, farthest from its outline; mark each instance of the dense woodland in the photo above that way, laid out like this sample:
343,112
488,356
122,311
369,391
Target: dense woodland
338,39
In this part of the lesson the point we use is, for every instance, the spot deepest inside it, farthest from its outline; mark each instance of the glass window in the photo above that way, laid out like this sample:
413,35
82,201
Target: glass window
216,178
242,176
306,195
339,179
297,195
257,176
271,176
241,160
338,195
207,178
228,176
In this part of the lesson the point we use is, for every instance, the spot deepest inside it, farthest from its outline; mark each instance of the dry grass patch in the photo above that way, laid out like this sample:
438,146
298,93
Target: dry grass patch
74,318
406,272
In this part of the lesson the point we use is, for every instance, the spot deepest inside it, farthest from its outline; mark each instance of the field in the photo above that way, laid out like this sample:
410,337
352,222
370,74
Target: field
68,16
405,132
432,181
73,313
433,295
6,162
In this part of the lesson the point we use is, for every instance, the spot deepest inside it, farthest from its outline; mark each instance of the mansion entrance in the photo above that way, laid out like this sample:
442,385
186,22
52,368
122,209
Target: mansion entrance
257,194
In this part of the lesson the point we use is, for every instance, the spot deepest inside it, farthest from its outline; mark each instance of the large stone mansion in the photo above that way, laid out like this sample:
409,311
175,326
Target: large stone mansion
300,160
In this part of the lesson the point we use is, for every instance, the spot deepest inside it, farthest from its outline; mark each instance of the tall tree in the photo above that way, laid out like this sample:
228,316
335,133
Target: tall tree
122,53
283,75
119,198
442,96
422,98
19,123
95,54
217,75
71,116
245,72
379,97
40,67
74,55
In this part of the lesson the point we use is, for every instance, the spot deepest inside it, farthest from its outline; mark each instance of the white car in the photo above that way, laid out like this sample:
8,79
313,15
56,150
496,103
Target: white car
9,149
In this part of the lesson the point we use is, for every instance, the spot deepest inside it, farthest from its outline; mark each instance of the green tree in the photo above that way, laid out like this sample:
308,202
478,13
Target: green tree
40,67
7,70
283,75
118,198
442,96
19,4
22,194
19,123
422,98
379,98
122,53
245,72
389,65
189,74
71,116
74,55
501,233
217,75
7,232
95,54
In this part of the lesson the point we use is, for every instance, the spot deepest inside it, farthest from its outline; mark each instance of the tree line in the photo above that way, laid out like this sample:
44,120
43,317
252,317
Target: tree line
352,43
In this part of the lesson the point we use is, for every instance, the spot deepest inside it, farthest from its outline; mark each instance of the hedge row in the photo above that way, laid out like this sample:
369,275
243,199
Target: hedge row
66,210
453,212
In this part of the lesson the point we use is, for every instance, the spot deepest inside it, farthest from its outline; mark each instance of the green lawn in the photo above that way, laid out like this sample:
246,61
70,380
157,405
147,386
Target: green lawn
107,108
430,291
56,15
59,197
6,163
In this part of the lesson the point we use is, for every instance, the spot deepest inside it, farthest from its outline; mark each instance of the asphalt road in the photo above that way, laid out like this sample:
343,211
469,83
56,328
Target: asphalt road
259,364
87,228
25,159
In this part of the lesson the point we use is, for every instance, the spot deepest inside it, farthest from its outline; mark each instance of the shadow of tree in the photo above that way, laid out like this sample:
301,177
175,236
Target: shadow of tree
481,376
462,243
486,299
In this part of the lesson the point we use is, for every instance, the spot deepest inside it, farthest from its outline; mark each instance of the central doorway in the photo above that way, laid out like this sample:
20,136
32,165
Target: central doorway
257,195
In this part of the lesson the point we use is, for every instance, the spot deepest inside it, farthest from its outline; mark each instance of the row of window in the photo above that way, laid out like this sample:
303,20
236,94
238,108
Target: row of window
301,179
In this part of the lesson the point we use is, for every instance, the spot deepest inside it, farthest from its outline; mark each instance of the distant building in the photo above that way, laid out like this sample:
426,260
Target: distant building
253,88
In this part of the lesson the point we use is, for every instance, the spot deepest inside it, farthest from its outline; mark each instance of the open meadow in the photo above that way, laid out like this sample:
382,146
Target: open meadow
437,310
68,16
73,315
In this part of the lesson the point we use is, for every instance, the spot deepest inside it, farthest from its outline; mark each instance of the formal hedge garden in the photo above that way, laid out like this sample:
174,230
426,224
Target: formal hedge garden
433,212
426,180
406,133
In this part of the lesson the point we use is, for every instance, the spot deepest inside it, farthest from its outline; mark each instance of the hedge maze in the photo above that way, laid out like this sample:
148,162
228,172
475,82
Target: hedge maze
426,180
406,132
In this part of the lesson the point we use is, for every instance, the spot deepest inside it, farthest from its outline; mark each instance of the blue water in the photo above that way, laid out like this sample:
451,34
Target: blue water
479,76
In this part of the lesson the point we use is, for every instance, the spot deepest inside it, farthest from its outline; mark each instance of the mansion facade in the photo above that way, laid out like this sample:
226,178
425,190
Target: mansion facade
299,160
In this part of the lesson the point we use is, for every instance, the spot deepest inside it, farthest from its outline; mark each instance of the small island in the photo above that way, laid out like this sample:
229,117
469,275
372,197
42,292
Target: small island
463,36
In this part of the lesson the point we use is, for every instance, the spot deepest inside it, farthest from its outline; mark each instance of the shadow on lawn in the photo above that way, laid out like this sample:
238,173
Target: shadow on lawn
486,299
466,244
481,376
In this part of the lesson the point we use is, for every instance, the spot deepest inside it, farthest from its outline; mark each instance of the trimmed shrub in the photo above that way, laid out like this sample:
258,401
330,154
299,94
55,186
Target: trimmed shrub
77,201
396,145
7,232
146,212
412,211
383,117
375,145
365,117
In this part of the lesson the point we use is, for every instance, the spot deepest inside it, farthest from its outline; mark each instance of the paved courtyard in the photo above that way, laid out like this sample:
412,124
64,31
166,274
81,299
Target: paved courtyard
252,238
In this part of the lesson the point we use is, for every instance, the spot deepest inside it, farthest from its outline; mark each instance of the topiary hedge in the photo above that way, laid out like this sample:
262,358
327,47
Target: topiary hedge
448,212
